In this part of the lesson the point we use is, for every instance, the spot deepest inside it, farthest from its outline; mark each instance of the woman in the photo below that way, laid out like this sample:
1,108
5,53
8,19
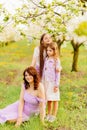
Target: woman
32,99
40,53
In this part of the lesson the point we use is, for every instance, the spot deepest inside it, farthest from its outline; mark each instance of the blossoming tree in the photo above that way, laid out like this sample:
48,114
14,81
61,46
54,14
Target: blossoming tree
77,32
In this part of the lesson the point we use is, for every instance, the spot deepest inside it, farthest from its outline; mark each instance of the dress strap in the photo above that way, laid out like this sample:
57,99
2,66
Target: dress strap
41,100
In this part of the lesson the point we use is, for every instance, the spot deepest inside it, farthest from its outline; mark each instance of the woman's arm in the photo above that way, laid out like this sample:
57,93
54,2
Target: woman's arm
33,61
41,94
20,107
35,55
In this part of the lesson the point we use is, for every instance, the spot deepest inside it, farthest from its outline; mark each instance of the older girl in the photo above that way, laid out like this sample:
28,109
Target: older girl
40,53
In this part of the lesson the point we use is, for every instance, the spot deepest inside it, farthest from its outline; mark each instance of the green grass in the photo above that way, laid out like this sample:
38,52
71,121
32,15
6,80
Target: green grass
72,112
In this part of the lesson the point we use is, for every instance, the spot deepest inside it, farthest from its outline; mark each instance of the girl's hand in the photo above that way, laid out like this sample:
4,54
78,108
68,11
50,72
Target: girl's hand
55,89
59,69
19,121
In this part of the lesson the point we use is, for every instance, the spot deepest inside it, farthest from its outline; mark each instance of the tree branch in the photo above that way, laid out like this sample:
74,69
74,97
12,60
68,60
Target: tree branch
72,42
82,43
37,4
57,13
34,37
34,15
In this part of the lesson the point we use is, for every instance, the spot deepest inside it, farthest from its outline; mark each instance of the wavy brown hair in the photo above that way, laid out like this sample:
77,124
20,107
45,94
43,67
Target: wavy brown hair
31,71
41,54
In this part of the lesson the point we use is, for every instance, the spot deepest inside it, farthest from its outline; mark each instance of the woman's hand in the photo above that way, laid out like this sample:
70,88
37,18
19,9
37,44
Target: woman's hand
20,108
55,89
19,121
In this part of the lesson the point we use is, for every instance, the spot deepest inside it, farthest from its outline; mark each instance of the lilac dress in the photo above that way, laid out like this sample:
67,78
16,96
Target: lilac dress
31,106
51,78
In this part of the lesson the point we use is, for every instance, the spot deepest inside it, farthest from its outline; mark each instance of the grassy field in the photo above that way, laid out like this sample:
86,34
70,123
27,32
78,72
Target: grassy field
72,112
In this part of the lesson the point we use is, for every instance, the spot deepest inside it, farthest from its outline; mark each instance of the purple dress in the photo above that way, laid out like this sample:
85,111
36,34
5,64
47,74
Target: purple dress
51,78
31,106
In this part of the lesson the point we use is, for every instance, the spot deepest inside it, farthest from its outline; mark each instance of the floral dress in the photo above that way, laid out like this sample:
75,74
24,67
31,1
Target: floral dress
51,78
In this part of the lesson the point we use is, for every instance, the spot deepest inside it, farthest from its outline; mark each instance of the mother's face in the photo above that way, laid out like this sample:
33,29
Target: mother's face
29,78
47,40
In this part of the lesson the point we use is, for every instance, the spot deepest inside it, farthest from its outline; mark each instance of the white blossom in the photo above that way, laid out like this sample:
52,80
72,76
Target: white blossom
72,25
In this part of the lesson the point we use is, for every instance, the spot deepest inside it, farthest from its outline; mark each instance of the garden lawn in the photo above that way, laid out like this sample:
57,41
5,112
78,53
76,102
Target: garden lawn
72,112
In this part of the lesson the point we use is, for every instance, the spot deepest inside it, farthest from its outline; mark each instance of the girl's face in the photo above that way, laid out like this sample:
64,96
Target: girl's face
50,52
47,40
29,78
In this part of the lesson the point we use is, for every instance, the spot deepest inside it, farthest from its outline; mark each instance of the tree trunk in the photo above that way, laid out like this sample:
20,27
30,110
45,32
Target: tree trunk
75,59
6,43
59,47
59,43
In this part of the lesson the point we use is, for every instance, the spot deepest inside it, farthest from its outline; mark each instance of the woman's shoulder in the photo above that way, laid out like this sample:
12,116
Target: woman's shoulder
36,51
22,86
37,48
41,87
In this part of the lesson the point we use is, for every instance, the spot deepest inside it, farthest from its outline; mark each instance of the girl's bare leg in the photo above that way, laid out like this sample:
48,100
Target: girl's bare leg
49,107
55,107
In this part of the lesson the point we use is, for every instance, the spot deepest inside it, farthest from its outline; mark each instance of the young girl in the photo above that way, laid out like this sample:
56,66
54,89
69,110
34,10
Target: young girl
51,80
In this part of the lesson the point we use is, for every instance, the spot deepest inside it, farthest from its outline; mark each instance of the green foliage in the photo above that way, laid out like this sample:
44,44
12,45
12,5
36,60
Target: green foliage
1,28
72,112
0,6
6,18
82,29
